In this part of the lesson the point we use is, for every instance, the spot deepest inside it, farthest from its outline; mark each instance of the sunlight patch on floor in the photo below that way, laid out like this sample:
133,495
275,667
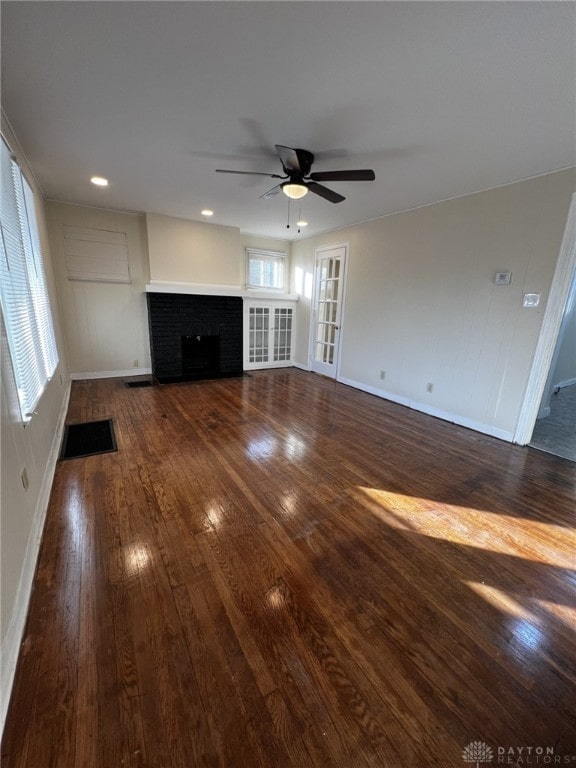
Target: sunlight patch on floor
477,528
565,613
523,625
503,601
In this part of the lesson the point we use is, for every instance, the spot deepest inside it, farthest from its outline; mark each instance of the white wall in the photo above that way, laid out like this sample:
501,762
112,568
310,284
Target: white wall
106,324
183,251
421,303
194,252
34,448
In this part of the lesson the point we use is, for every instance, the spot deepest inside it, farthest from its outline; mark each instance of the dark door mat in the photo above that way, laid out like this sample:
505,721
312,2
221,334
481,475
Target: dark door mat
88,439
134,384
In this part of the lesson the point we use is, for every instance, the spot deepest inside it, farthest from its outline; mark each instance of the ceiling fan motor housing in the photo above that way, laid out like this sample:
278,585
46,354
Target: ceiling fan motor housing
305,160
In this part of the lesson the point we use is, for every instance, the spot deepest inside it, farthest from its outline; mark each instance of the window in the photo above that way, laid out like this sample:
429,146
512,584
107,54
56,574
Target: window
265,269
23,293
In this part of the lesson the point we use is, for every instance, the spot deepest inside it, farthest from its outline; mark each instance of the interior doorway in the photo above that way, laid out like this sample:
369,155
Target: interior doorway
557,309
555,428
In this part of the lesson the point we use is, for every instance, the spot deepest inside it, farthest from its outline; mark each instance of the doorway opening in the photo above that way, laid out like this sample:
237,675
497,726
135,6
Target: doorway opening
558,309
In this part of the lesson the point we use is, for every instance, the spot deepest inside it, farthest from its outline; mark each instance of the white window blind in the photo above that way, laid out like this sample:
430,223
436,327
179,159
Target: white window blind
265,269
23,293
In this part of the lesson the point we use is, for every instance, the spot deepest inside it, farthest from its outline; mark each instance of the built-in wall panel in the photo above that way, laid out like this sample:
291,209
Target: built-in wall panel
31,450
422,305
105,320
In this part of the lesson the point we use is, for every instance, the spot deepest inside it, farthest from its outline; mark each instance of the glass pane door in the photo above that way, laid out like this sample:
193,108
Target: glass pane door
259,334
329,281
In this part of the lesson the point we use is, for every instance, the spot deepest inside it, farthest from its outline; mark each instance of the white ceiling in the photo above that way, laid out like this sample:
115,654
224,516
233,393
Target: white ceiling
440,99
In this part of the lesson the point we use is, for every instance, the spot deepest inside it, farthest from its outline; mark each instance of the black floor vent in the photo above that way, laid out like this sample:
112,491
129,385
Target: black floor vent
134,384
88,439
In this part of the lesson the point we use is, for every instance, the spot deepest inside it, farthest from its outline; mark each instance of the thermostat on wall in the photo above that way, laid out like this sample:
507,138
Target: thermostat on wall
503,278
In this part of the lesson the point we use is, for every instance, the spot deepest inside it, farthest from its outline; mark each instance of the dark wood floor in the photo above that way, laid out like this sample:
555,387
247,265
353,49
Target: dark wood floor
281,571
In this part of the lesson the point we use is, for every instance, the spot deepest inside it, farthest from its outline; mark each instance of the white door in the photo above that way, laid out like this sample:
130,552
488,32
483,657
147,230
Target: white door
329,289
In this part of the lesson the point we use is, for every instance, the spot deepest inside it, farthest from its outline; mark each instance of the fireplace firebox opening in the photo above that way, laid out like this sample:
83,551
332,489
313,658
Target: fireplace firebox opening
200,356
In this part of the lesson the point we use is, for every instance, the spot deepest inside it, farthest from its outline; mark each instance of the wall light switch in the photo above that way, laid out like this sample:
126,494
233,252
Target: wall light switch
531,300
503,278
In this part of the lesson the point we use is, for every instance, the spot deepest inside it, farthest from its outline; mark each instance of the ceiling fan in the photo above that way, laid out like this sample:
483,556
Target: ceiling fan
296,164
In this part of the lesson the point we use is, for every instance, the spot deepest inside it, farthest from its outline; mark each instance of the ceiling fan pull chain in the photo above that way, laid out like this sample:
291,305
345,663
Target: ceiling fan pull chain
288,225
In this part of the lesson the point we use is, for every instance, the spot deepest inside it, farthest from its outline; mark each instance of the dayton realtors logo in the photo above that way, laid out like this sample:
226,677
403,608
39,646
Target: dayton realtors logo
478,752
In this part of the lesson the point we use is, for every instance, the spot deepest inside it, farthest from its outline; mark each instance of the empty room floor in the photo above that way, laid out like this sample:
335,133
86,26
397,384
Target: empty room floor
281,571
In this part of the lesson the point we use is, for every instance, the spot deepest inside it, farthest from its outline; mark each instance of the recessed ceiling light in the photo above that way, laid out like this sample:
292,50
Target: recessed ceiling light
301,223
100,181
207,212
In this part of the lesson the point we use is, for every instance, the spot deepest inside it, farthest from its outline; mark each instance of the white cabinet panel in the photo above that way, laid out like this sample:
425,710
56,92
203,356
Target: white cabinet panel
268,333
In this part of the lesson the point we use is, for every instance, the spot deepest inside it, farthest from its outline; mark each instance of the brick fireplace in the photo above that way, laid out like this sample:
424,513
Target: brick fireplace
195,337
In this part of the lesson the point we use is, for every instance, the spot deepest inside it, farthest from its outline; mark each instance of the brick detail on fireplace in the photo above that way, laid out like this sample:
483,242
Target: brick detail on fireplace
172,316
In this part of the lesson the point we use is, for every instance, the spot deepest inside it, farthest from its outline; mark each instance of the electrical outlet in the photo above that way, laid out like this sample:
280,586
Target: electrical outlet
429,387
24,478
135,363
382,375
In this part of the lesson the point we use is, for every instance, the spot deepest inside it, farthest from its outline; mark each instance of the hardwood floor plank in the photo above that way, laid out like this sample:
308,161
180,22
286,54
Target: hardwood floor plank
279,571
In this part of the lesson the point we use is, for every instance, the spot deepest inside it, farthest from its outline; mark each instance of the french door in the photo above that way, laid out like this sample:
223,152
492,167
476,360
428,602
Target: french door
328,299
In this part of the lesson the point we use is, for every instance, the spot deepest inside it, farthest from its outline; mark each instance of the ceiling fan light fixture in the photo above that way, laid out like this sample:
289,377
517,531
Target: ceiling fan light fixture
294,190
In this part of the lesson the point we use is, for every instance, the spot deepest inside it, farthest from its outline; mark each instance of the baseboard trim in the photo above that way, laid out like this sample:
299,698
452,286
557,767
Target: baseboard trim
567,383
15,632
302,367
110,374
267,366
461,421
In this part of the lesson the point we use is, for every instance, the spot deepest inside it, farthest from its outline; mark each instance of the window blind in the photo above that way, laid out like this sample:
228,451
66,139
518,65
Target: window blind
23,293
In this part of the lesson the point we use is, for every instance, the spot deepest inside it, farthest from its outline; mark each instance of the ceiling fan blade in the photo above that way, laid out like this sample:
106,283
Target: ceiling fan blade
251,173
324,192
360,175
288,158
271,192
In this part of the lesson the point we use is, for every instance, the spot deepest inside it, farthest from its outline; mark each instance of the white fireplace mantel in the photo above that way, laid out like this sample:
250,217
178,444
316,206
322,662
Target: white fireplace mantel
206,289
